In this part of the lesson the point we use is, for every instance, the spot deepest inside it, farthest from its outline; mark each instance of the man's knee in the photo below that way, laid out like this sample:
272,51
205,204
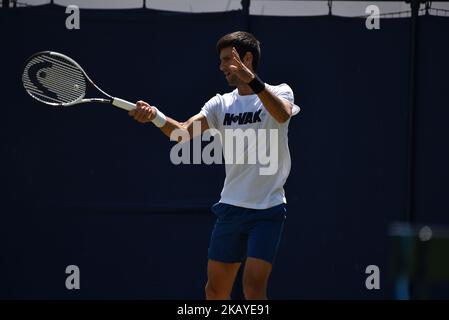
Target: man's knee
221,277
214,292
254,288
255,278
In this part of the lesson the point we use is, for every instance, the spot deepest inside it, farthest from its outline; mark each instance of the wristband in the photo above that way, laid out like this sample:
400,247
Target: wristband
160,119
256,84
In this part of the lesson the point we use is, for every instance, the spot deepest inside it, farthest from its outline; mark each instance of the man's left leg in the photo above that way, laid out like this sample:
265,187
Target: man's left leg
264,233
255,278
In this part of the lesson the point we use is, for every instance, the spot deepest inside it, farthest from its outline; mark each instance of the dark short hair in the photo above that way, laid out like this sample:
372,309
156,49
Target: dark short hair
243,42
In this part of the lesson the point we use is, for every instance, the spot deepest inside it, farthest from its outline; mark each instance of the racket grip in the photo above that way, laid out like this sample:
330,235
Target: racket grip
123,104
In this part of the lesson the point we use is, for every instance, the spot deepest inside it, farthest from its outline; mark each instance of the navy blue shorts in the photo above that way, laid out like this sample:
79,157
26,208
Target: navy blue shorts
241,232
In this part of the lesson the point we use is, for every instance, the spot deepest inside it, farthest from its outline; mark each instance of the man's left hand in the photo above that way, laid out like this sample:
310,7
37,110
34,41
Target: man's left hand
238,68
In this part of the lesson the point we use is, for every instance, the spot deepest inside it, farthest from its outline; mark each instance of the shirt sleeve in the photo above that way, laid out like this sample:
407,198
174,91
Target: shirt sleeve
284,91
210,110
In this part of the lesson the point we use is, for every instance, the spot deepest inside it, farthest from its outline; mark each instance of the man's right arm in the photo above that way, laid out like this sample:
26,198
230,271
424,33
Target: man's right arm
145,113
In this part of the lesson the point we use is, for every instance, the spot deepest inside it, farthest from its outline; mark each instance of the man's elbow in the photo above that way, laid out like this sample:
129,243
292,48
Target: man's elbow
284,116
181,133
283,120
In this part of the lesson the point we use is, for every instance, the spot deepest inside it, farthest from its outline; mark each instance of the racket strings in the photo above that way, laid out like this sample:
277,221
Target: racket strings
54,80
56,89
56,83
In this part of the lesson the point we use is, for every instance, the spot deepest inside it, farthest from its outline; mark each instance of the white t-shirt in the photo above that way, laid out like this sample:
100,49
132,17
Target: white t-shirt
245,185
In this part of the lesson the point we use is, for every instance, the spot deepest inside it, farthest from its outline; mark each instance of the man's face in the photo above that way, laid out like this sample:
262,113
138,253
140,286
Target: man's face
225,62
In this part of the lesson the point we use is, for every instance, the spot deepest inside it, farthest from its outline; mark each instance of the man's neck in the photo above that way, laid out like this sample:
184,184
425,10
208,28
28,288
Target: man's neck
244,89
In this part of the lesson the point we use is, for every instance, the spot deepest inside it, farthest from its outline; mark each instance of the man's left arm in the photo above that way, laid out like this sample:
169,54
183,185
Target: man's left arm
279,108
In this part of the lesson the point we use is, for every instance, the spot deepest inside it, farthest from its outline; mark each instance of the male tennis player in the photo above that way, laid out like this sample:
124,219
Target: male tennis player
252,208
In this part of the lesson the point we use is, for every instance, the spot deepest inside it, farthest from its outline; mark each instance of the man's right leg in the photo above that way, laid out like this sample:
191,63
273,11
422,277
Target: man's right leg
220,279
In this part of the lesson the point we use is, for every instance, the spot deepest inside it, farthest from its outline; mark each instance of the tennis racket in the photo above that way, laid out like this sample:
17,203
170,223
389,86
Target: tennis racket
57,80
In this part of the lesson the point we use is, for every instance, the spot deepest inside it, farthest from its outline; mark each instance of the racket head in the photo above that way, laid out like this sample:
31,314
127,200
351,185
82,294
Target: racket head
54,79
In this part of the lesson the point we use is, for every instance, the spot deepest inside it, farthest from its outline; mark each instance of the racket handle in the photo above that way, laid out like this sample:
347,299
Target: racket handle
123,104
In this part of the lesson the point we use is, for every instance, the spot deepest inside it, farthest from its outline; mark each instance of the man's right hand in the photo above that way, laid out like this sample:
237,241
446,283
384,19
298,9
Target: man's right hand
143,112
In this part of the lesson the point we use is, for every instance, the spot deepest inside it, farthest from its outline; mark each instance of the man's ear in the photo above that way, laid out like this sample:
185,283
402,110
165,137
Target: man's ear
248,60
